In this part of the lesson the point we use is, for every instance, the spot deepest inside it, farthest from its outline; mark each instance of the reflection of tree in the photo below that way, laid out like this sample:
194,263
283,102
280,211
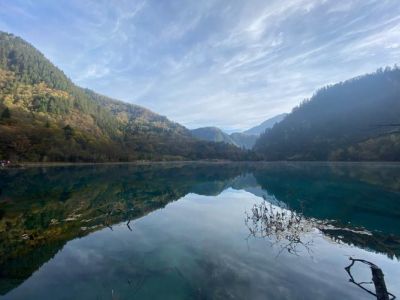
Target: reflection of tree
282,227
287,229
343,187
377,242
345,193
378,280
43,208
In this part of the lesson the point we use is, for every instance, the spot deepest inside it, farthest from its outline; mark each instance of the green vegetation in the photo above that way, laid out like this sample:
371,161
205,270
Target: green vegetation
353,120
6,114
45,117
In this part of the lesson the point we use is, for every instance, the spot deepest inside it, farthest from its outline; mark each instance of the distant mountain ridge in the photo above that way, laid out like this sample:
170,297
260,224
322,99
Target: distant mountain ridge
212,134
245,139
269,123
215,134
44,116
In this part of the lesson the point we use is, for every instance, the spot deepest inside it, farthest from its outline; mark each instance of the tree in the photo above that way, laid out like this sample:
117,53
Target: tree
68,132
6,114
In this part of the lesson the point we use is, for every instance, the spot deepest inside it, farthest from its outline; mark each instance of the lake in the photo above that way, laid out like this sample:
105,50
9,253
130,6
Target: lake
199,231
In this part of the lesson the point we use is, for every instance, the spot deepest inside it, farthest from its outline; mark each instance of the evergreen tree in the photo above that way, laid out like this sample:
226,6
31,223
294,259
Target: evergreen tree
6,114
345,121
68,132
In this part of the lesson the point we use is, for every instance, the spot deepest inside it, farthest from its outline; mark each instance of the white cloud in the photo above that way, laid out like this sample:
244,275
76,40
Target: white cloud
93,72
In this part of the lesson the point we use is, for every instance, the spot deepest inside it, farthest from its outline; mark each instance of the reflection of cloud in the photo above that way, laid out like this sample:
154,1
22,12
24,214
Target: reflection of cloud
208,62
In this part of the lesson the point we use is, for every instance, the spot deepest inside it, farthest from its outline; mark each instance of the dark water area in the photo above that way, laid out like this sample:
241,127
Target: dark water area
199,231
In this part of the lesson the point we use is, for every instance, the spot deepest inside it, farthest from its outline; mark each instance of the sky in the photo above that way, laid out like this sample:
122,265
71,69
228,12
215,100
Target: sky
225,63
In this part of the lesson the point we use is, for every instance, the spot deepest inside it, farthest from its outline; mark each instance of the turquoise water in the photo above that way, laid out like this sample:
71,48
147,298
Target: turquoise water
198,231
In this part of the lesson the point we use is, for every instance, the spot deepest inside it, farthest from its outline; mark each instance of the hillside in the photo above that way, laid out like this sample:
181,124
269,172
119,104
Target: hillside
44,116
353,120
212,134
269,123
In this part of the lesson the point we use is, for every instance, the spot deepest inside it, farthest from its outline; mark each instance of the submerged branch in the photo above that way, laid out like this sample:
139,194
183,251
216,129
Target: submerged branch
378,280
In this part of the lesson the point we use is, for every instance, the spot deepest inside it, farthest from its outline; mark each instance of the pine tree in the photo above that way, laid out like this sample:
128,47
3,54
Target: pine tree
6,114
68,132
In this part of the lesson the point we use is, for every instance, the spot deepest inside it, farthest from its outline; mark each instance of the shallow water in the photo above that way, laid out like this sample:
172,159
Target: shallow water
198,231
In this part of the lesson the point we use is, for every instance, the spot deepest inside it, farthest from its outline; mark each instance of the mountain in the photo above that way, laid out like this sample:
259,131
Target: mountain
244,140
248,138
358,119
212,134
44,116
259,129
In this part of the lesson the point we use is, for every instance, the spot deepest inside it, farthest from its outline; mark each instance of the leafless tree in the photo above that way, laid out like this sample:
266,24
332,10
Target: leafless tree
282,227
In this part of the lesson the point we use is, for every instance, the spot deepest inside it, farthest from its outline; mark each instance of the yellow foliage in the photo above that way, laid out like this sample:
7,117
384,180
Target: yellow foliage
14,93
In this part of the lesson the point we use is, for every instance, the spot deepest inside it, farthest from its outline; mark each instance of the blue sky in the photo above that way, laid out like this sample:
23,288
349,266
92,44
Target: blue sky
227,63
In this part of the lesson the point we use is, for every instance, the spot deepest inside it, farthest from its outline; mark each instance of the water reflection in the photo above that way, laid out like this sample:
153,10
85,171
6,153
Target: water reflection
41,209
378,280
290,231
284,228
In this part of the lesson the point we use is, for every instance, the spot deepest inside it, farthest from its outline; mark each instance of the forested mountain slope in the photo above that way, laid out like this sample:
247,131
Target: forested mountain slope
44,116
212,134
358,119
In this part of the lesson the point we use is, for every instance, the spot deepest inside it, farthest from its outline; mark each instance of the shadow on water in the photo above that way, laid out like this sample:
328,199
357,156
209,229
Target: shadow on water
41,209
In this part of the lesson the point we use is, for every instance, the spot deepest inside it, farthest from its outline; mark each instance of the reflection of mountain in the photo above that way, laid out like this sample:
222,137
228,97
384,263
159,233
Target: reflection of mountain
324,193
378,242
43,208
343,195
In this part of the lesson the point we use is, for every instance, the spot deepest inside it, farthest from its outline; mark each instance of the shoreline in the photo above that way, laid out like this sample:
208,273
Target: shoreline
144,162
22,165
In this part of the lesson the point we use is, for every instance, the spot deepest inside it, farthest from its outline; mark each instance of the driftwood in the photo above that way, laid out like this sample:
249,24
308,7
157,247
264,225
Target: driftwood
127,225
287,229
378,280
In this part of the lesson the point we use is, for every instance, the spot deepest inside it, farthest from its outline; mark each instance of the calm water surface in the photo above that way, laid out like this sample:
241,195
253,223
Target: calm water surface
198,231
